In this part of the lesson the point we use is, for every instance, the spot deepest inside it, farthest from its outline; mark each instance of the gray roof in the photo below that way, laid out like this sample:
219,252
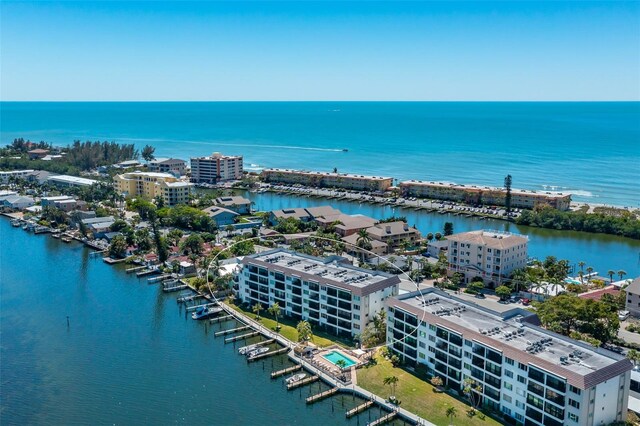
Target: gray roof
93,220
217,211
492,239
230,201
634,286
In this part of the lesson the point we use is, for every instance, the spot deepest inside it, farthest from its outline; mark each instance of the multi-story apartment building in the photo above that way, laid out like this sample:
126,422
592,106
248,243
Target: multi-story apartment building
474,194
173,166
490,255
65,181
327,180
216,168
532,376
633,298
5,176
394,234
329,293
149,184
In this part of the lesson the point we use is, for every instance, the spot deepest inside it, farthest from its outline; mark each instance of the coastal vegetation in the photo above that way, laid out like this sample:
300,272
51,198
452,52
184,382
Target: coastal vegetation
622,222
415,393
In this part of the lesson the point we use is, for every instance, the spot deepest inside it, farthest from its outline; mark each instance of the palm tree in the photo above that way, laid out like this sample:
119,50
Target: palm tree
363,241
451,413
257,308
622,273
589,271
341,363
611,273
391,381
581,275
430,237
275,311
581,265
304,331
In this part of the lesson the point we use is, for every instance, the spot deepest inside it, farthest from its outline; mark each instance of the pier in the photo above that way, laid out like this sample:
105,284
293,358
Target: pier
158,279
384,419
302,382
173,286
280,373
241,337
322,395
268,354
221,319
191,298
135,269
146,272
359,409
231,331
204,305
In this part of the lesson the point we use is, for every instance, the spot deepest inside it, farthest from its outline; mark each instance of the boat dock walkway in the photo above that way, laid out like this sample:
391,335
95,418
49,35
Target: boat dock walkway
146,272
384,419
221,319
359,409
302,382
241,337
268,354
279,373
135,269
322,395
230,331
157,279
204,305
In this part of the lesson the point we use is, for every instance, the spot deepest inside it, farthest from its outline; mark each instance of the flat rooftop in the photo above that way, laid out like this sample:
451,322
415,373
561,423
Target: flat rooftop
510,333
480,188
328,174
328,270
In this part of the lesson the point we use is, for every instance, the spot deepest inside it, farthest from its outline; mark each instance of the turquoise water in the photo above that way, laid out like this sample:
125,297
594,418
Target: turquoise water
130,355
591,149
335,356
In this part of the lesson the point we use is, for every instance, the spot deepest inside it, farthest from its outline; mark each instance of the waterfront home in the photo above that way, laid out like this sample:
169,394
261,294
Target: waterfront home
475,194
151,185
173,166
216,168
63,202
329,292
37,153
377,247
394,234
531,375
99,226
221,216
304,214
235,203
490,255
64,181
344,224
435,247
7,193
17,202
327,180
633,298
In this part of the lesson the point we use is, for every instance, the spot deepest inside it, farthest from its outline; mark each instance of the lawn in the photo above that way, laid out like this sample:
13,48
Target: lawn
417,395
288,328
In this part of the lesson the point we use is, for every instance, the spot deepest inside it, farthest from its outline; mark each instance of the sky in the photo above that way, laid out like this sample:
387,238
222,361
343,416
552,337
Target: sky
278,51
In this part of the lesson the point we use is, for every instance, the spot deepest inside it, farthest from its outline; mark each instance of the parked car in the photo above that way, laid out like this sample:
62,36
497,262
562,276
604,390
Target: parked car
480,296
526,301
623,315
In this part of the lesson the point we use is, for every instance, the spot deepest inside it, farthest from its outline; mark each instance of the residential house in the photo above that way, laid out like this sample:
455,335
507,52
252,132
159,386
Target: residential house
221,216
394,234
238,204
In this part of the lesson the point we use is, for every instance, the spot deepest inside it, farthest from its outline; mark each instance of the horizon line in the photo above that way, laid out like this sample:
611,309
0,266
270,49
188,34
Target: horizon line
309,101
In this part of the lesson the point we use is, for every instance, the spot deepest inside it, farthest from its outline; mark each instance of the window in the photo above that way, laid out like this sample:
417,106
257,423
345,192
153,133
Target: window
507,398
468,343
432,327
522,379
574,404
520,392
508,373
522,366
432,338
574,389
356,326
509,361
519,417
519,404
573,417
508,386
356,316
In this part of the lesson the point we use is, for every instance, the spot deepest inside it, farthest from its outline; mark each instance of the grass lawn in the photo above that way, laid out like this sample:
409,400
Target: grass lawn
417,395
288,328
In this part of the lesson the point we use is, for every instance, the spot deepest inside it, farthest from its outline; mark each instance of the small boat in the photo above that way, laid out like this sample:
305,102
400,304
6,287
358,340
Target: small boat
295,378
345,150
56,235
254,353
205,312
246,349
66,239
15,223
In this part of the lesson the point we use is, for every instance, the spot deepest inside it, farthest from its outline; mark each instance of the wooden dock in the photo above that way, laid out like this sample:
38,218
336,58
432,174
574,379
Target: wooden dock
359,409
169,287
146,272
268,354
231,330
155,280
279,373
204,305
135,269
221,319
241,337
384,419
322,395
302,382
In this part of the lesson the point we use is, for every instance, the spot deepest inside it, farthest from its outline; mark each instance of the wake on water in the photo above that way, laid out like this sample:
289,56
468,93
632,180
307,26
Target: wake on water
304,148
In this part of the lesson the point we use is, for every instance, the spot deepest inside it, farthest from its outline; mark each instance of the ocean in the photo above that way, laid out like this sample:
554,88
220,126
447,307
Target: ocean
589,149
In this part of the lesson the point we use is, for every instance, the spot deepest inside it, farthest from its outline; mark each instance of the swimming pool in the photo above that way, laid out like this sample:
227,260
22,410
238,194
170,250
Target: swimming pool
334,356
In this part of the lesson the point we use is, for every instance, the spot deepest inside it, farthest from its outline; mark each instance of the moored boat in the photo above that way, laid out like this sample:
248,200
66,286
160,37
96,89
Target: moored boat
254,353
246,349
205,312
295,378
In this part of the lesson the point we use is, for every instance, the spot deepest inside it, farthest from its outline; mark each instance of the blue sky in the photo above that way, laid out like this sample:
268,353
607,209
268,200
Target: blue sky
320,50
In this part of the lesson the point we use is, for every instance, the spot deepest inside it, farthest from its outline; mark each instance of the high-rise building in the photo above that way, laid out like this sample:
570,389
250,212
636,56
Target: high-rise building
216,168
151,185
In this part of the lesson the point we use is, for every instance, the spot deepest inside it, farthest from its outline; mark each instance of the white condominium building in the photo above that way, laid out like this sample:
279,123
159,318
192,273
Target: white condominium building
173,166
330,293
327,180
216,168
532,376
490,255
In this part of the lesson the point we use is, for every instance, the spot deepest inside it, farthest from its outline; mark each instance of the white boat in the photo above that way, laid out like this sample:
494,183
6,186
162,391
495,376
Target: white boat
254,353
295,378
205,312
246,349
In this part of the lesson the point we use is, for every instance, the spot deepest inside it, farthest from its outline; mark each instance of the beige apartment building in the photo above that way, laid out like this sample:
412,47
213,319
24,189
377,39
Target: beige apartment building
327,180
150,185
475,194
490,255
394,234
173,166
216,168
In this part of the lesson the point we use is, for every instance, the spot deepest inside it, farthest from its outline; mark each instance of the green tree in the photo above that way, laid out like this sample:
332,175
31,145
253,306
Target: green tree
448,228
304,331
341,363
391,381
275,310
193,244
430,237
118,247
148,153
451,413
363,242
473,391
622,273
507,197
257,308
611,273
634,356
560,313
174,236
438,236
503,292
475,287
